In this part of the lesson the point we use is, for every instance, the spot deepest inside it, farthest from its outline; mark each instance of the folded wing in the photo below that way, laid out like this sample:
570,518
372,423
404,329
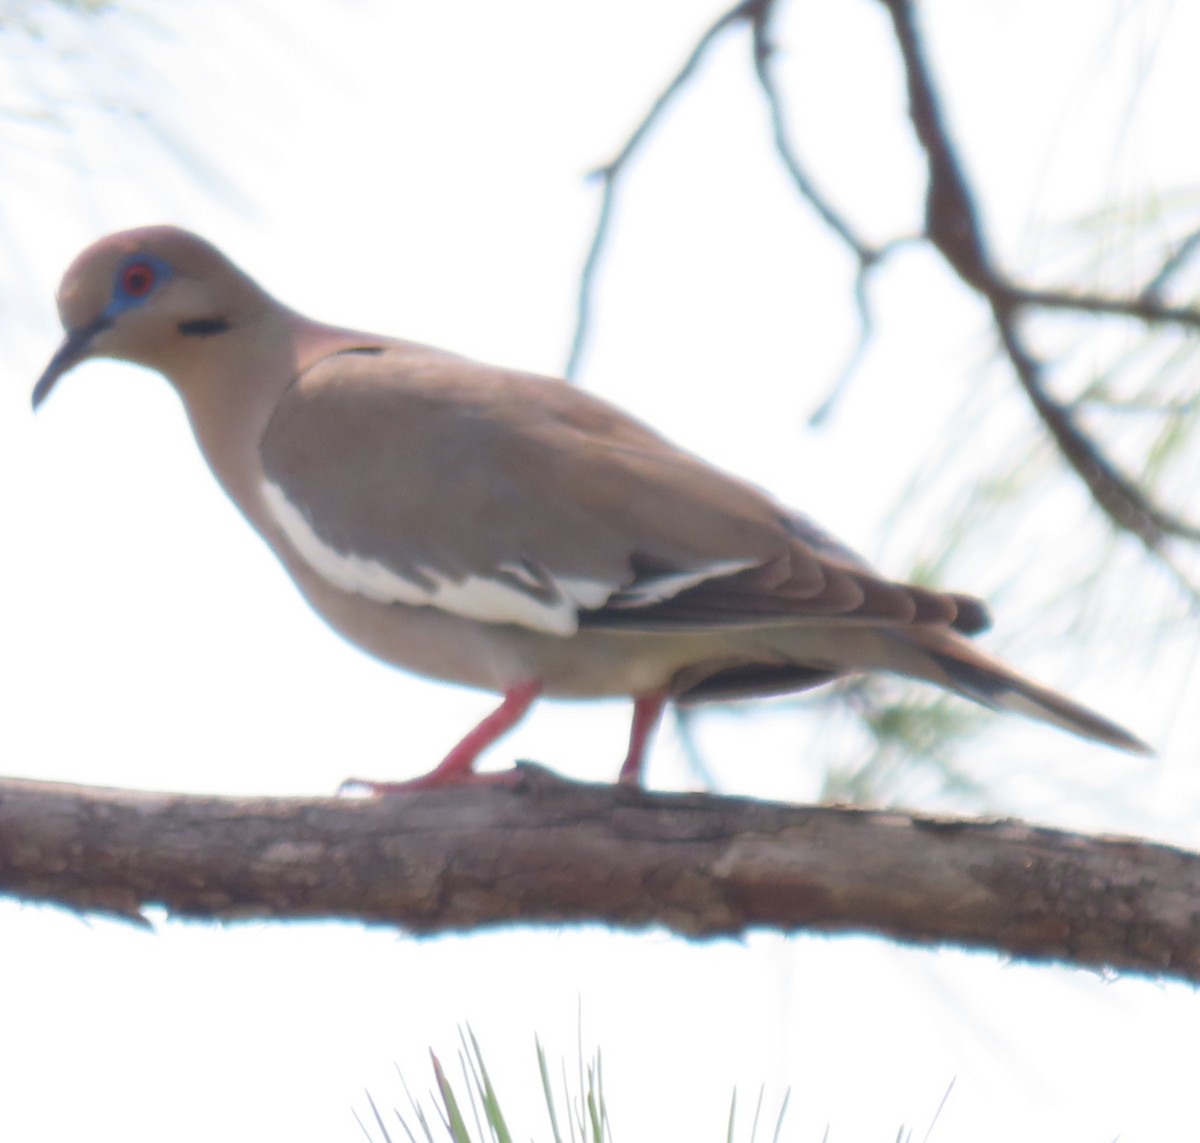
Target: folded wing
409,475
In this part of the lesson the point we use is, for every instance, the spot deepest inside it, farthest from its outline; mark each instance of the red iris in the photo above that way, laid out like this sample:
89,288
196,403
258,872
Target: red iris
137,279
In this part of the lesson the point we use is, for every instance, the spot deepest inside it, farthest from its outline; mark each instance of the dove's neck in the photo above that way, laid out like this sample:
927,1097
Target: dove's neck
231,385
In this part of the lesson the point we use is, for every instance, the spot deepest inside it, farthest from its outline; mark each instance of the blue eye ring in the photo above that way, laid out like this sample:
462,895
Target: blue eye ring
137,277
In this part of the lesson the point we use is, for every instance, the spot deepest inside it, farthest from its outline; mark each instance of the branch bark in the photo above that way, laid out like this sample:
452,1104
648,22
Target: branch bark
548,851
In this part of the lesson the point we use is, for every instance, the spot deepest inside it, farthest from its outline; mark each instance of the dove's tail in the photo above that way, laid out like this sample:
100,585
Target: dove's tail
809,656
948,660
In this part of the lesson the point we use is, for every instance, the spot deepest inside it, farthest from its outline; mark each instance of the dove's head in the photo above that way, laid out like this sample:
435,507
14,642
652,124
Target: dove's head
149,296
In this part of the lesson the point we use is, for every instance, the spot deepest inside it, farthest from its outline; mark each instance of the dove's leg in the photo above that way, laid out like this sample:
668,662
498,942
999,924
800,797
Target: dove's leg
647,710
458,767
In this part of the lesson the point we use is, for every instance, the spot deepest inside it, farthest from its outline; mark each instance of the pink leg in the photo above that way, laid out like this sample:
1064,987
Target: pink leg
458,766
647,710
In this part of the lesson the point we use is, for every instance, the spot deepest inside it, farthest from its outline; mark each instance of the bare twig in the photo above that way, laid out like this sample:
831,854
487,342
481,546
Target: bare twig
866,331
758,14
1175,261
1119,497
764,51
867,256
611,172
1145,307
952,221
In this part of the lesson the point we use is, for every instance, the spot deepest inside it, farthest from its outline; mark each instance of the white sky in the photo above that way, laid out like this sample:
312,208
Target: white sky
416,169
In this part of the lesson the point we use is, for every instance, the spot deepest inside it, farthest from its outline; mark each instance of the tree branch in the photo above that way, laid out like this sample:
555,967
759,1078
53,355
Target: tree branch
547,851
954,227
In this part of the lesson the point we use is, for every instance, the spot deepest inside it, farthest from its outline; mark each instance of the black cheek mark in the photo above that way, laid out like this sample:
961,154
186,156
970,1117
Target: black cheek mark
203,327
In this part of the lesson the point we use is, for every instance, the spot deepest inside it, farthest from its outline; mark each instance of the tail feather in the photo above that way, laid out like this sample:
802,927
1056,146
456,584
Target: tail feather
803,656
989,682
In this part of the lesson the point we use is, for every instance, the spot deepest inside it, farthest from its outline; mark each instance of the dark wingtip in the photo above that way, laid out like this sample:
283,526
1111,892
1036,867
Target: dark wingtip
972,616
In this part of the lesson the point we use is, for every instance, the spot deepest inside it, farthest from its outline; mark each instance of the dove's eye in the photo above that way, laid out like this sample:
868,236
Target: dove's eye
137,279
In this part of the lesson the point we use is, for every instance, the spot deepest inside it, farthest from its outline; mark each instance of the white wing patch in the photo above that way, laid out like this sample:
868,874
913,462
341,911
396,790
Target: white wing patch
475,597
643,593
554,612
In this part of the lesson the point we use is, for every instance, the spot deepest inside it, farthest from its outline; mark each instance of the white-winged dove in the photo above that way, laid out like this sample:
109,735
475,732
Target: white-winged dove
508,531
